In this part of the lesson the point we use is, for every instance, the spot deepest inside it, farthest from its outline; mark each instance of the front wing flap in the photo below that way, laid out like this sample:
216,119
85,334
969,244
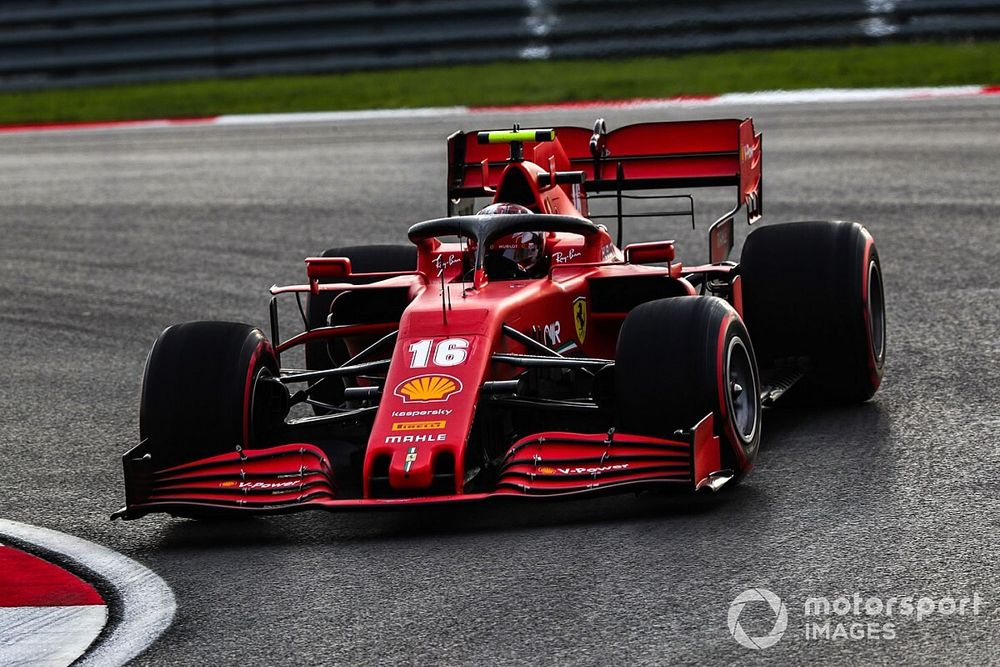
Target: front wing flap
299,476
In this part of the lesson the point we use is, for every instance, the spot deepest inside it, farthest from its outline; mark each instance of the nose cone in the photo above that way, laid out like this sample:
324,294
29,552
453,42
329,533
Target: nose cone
412,467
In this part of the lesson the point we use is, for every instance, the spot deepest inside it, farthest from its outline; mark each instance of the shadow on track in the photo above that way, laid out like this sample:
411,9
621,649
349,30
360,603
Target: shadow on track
787,425
498,517
855,432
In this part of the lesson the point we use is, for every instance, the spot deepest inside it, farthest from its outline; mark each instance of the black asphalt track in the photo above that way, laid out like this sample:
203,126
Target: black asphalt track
107,237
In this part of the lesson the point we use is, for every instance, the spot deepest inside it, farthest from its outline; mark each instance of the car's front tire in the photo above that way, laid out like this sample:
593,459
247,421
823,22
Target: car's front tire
205,392
678,360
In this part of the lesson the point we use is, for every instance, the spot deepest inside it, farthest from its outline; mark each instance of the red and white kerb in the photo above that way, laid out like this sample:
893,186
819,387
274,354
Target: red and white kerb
47,615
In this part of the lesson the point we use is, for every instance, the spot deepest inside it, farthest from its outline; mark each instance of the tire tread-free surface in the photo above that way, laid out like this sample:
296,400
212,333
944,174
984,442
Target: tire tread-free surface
192,399
667,371
803,299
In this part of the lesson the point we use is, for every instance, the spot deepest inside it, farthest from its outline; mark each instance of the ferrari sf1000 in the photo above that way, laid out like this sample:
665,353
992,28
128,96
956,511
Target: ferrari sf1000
521,351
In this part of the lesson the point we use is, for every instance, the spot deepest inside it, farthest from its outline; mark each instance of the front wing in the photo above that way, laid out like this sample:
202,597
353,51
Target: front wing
299,476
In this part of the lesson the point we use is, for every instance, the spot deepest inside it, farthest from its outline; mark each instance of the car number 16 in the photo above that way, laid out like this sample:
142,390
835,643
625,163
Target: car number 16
448,352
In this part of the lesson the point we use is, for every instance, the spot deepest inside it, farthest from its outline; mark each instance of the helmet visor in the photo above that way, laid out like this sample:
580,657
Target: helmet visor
522,249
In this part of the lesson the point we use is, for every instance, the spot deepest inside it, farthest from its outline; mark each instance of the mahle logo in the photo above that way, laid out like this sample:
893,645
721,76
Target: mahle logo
780,620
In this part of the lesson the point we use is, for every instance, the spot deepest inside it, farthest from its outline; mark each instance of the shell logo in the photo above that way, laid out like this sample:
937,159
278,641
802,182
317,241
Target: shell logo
428,388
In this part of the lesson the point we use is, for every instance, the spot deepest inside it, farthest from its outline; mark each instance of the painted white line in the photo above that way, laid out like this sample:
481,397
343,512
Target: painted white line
830,95
338,116
48,635
147,603
764,97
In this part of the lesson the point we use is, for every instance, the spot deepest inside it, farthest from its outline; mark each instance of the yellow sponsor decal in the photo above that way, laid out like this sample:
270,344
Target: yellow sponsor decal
418,426
580,317
428,388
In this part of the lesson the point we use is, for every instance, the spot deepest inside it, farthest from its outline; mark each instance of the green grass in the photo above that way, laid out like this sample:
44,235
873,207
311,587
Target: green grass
523,82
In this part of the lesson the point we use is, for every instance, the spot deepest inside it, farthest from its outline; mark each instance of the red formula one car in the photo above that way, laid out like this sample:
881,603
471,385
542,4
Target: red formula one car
520,352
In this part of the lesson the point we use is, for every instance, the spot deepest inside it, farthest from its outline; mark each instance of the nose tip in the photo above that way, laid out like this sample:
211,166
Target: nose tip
411,468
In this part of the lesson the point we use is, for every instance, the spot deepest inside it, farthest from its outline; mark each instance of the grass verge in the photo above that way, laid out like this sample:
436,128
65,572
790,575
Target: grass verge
523,82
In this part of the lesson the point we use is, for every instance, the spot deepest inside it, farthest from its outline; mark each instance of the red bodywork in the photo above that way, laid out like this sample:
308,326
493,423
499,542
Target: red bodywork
427,428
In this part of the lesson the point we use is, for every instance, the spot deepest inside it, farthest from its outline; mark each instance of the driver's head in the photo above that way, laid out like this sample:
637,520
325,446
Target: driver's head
522,253
523,250
504,209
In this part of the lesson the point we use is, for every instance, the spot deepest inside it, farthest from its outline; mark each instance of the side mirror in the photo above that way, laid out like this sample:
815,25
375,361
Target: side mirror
326,267
655,252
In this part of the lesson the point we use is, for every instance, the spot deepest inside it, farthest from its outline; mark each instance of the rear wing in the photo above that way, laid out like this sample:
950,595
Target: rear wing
645,156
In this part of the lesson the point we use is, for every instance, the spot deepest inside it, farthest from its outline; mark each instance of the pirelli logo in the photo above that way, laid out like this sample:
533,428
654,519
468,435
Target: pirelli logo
419,426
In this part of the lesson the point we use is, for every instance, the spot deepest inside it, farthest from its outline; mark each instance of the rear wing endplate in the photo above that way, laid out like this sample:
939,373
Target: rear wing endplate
644,156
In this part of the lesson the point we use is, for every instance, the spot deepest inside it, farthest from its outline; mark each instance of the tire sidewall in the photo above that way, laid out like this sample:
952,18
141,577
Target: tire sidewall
742,451
259,358
198,390
806,303
872,267
672,370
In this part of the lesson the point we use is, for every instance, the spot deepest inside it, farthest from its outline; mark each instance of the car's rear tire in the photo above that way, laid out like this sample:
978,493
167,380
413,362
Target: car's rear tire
678,360
364,259
203,392
813,296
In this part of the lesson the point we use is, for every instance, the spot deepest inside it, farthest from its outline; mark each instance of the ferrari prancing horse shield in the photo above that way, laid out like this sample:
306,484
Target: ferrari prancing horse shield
580,317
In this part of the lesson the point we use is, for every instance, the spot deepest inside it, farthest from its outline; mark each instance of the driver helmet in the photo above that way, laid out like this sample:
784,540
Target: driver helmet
525,249
504,209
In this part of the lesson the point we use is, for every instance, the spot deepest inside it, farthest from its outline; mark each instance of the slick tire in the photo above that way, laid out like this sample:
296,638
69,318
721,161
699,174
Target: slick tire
364,259
203,392
813,297
678,360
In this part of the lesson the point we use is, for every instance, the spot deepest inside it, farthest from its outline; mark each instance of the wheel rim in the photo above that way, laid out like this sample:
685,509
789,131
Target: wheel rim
876,312
264,411
740,391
